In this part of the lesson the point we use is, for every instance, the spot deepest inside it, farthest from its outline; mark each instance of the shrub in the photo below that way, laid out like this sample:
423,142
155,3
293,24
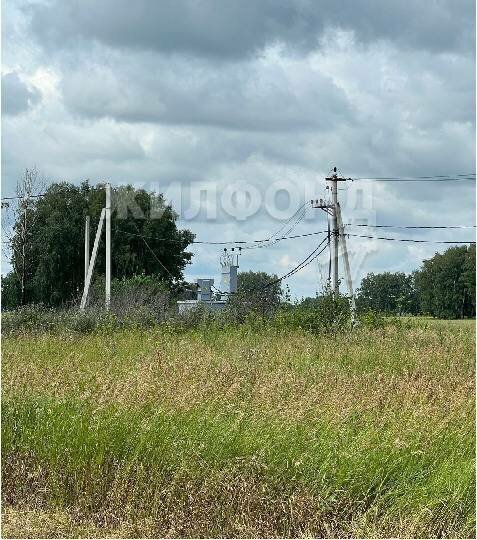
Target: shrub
258,294
322,314
146,295
198,316
372,319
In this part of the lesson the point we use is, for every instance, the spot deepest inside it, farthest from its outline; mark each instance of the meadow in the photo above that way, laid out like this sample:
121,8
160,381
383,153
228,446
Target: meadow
240,432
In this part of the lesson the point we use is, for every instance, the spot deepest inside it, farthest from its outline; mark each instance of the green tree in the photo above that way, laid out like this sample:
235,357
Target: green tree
257,292
446,283
388,293
19,238
11,291
145,240
468,275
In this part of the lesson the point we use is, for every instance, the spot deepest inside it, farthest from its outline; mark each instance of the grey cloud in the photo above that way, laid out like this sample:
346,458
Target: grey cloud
144,99
254,96
16,96
232,29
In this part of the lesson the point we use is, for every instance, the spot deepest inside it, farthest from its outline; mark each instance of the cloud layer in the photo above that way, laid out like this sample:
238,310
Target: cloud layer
200,94
228,29
16,96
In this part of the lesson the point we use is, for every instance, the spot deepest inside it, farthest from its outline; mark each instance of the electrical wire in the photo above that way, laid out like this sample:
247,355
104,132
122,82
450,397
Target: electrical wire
290,219
455,175
270,241
254,244
321,232
308,260
435,178
304,235
411,226
153,252
311,257
21,197
278,239
411,239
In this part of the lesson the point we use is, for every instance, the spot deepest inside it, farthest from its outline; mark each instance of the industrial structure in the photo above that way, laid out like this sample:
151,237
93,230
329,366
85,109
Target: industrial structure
205,296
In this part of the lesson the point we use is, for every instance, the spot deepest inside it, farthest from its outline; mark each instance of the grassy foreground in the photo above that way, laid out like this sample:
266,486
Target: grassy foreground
240,432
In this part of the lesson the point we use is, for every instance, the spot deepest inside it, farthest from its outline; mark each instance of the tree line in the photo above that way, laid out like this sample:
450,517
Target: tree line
47,255
444,287
47,241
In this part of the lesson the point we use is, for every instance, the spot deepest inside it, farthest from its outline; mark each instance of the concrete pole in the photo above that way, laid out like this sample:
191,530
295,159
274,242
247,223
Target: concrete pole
108,246
93,260
344,252
335,235
86,247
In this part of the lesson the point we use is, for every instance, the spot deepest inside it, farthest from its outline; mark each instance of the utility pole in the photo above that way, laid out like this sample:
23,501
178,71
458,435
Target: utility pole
108,245
105,217
335,233
334,179
344,253
86,247
91,264
332,209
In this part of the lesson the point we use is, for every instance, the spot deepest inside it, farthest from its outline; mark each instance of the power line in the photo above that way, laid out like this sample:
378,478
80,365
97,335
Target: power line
304,235
290,219
412,239
311,257
153,252
435,178
303,264
321,232
21,197
265,242
412,226
269,242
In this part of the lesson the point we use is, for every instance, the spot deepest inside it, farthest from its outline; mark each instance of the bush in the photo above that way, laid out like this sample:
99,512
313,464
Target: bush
197,317
322,314
29,318
372,319
136,294
258,294
36,319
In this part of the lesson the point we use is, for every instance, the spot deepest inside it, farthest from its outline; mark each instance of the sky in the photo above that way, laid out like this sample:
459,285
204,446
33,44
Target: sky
238,110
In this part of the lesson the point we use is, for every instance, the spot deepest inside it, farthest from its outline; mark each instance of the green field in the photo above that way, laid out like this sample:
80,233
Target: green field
240,432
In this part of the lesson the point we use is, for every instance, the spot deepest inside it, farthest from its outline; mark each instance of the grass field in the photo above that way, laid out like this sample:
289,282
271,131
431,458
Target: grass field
240,432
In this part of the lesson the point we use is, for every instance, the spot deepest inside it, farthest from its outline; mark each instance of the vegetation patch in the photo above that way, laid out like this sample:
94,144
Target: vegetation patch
227,431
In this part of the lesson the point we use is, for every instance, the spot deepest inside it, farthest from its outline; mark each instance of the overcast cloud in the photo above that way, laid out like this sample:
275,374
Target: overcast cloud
198,94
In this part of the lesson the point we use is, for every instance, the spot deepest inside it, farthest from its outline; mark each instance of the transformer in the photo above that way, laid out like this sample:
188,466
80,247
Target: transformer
229,264
204,292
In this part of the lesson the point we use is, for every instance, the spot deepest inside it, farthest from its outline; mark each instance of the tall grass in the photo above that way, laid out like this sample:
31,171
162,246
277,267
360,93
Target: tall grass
239,432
